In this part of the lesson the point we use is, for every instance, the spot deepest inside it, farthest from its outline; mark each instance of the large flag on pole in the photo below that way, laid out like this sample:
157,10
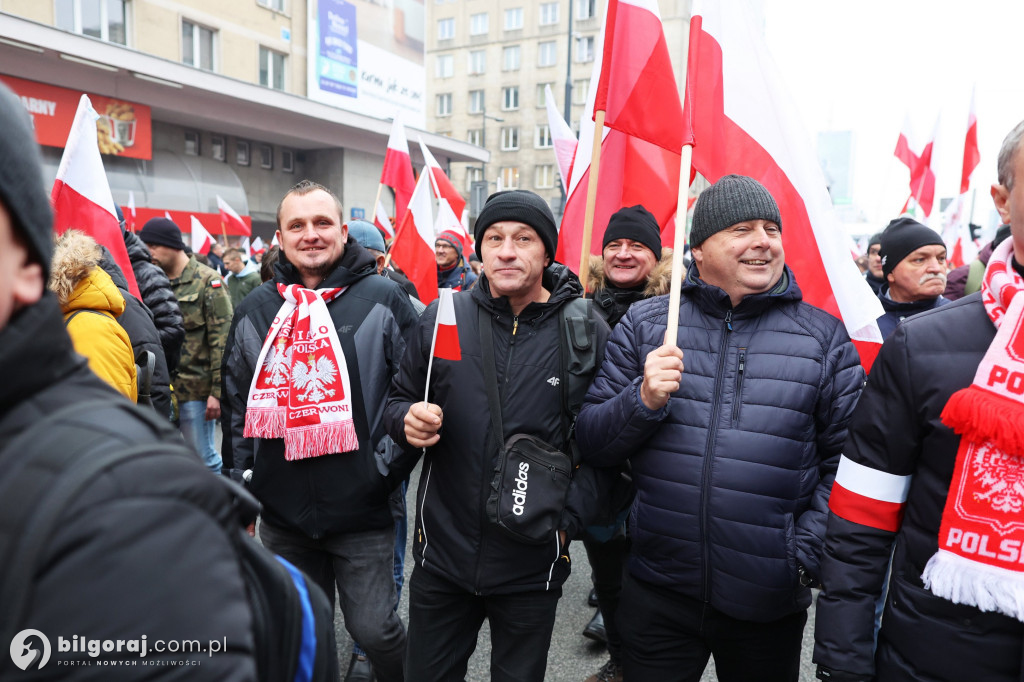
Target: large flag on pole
922,177
443,187
383,223
562,138
971,154
229,218
397,172
729,67
413,248
633,168
131,211
81,196
201,239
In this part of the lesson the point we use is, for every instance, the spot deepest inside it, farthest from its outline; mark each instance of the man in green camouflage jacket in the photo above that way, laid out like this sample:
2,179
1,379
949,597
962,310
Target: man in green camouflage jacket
206,307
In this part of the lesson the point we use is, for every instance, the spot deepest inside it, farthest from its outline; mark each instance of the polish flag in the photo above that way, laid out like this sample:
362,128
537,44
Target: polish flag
562,138
446,221
971,154
446,332
230,219
201,239
729,67
258,246
131,211
245,247
383,223
637,166
443,187
413,247
397,172
81,196
922,177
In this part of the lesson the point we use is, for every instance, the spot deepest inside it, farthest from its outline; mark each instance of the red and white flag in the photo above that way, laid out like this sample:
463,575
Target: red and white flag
729,67
922,177
443,187
231,221
638,166
413,247
971,154
381,220
201,239
258,246
562,139
397,172
131,211
81,196
446,331
446,221
245,247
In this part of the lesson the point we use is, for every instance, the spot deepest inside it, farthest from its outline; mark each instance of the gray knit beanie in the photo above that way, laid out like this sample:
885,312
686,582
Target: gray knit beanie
21,180
731,200
521,206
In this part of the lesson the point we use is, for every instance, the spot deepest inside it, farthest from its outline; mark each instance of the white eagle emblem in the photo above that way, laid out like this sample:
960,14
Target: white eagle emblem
313,377
1002,477
277,364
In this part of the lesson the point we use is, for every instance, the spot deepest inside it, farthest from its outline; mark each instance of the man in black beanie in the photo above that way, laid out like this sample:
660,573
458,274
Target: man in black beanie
914,268
467,566
732,456
874,276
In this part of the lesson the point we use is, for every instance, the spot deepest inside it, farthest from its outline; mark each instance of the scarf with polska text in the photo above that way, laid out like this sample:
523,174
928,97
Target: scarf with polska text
980,561
300,390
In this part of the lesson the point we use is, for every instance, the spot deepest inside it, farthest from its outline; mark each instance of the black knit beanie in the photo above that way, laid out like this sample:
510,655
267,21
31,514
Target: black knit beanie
876,238
902,237
635,223
523,207
22,192
162,232
731,200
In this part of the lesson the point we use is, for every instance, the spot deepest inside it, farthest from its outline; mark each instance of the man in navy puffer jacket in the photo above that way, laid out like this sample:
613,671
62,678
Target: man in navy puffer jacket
733,454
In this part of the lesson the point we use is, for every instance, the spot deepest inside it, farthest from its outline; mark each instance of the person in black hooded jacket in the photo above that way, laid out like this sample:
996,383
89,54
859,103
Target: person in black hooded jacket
467,568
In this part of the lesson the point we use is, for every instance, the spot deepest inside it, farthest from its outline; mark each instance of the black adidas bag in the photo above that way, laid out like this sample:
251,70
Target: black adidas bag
46,469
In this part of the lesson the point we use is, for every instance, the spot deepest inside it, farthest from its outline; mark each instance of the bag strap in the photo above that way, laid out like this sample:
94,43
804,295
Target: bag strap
490,375
87,310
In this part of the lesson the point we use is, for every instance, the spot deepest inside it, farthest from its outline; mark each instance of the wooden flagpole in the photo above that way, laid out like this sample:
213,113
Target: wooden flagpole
588,216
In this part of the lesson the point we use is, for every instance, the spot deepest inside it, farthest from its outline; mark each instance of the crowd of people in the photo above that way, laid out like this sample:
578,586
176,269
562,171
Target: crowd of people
715,472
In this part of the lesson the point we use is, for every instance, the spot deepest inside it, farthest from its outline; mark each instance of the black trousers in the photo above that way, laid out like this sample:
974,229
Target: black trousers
607,564
444,621
668,637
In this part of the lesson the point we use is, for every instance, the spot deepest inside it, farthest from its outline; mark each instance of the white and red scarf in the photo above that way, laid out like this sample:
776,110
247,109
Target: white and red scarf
300,391
980,561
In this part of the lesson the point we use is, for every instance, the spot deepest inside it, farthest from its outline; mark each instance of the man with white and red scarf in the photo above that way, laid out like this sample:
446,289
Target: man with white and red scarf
307,368
935,462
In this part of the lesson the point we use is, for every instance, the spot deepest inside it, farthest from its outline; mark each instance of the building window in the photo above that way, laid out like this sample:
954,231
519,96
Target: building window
445,29
510,58
271,69
514,19
548,13
477,61
586,9
546,54
473,174
544,176
276,5
542,137
444,104
445,66
287,161
509,177
542,94
105,20
579,90
585,49
197,45
478,24
242,153
192,143
475,136
266,156
510,139
218,148
476,101
510,98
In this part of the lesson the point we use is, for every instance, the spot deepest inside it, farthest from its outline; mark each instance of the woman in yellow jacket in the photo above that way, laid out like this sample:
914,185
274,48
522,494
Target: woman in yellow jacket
91,305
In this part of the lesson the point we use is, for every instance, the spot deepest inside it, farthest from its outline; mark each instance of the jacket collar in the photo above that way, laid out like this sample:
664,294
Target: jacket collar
557,279
353,265
716,301
907,309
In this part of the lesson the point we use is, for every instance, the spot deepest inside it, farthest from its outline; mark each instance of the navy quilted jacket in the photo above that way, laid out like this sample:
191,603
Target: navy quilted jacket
733,475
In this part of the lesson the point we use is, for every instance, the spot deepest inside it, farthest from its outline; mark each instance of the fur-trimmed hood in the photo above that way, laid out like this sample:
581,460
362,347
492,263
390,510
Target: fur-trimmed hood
77,279
659,282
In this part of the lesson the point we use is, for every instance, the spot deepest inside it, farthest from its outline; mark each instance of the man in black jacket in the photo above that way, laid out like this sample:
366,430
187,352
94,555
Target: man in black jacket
309,360
915,473
914,267
467,567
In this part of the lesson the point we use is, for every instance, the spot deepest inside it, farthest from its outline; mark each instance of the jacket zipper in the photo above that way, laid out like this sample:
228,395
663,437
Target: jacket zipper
706,466
738,399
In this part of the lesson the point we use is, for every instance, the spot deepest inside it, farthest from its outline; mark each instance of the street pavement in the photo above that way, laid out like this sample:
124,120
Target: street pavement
572,658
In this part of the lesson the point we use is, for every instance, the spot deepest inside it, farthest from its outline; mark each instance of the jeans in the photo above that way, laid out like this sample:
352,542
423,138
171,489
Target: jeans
199,432
669,637
361,565
445,619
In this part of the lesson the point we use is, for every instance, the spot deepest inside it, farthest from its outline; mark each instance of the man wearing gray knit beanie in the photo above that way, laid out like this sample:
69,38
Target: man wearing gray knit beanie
733,453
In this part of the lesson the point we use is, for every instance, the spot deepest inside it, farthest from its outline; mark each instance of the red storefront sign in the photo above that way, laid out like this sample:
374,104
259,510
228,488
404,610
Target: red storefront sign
123,128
